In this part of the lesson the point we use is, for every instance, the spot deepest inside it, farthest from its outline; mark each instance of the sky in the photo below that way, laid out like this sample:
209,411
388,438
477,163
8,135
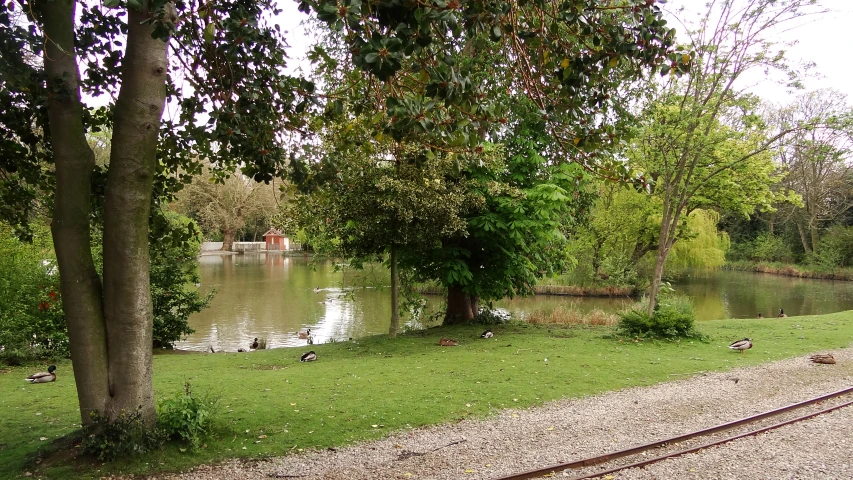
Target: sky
824,40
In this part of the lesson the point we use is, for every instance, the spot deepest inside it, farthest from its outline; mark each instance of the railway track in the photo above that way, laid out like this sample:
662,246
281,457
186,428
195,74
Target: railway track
745,427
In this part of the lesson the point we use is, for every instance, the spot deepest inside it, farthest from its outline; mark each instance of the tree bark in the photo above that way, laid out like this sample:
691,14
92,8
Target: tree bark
395,294
804,238
459,306
127,203
79,282
227,240
815,236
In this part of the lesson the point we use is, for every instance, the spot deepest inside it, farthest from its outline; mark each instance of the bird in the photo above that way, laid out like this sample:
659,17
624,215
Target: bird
317,289
825,358
760,315
782,313
305,334
741,345
43,377
310,340
241,350
254,345
447,342
212,350
308,357
487,334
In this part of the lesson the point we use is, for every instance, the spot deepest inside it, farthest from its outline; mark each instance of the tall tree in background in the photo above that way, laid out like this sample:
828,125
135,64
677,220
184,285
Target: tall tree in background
226,206
818,161
229,58
702,141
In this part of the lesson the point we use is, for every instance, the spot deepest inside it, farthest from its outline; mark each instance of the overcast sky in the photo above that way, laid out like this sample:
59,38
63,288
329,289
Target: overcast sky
824,40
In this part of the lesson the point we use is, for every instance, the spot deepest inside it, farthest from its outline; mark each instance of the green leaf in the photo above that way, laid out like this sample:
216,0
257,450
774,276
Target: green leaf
209,32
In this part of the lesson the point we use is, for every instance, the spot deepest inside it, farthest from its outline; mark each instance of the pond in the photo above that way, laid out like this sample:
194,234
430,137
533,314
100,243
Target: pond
275,297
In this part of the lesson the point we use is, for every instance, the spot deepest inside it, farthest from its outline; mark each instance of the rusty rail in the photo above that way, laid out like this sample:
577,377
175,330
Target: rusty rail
699,433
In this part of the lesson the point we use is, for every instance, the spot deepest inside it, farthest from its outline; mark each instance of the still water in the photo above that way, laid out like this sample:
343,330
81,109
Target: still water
276,297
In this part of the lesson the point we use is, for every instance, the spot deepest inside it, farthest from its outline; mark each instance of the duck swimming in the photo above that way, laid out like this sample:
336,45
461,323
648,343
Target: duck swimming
43,377
741,345
308,357
487,334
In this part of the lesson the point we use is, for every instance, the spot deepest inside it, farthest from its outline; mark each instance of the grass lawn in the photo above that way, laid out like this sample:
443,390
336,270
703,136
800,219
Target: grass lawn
365,389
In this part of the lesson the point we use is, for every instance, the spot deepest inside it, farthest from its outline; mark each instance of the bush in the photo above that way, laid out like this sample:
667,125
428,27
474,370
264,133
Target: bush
835,248
673,318
32,323
186,417
125,436
766,247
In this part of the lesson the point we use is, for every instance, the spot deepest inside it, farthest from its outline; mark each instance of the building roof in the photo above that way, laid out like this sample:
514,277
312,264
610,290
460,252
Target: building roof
273,232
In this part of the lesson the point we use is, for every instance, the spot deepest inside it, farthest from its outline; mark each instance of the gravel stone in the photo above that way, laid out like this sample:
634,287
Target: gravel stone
519,440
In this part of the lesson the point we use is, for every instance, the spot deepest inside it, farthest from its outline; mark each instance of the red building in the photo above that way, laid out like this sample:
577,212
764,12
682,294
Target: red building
276,240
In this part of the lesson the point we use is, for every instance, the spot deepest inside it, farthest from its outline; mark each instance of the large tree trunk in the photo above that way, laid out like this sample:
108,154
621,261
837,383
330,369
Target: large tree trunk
459,306
395,294
127,203
74,160
227,240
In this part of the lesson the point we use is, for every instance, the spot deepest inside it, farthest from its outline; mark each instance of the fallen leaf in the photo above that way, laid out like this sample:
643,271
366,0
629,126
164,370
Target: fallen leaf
292,404
469,471
42,438
262,436
550,428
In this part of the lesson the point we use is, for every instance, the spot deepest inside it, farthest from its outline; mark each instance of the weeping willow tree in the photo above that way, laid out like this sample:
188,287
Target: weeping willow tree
703,246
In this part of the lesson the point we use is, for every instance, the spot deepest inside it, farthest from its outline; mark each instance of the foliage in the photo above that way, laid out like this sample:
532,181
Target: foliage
437,72
174,270
765,247
835,248
673,318
31,318
187,417
702,245
125,436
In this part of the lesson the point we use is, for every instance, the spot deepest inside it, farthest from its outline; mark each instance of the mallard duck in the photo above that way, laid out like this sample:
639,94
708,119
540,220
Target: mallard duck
254,345
487,334
43,377
447,342
782,313
760,315
308,357
304,334
825,358
741,345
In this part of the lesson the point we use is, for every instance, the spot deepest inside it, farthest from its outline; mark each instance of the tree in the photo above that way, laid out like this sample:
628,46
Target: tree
374,200
702,140
817,161
230,61
227,206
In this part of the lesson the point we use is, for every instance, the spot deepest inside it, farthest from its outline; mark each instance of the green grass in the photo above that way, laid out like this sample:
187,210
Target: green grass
366,389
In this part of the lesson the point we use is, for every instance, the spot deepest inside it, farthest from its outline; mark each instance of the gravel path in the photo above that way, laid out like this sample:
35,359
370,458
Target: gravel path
519,440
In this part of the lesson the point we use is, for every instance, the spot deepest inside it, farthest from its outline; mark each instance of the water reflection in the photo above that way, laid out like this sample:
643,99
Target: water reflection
275,297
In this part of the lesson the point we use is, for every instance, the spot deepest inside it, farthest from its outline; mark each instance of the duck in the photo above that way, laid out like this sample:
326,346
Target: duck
43,377
317,289
741,345
782,313
304,334
447,342
310,339
760,315
254,345
308,357
487,334
825,358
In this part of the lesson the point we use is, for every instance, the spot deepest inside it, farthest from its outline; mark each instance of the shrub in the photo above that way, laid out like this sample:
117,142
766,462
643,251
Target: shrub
490,316
835,248
125,436
673,317
186,417
32,323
